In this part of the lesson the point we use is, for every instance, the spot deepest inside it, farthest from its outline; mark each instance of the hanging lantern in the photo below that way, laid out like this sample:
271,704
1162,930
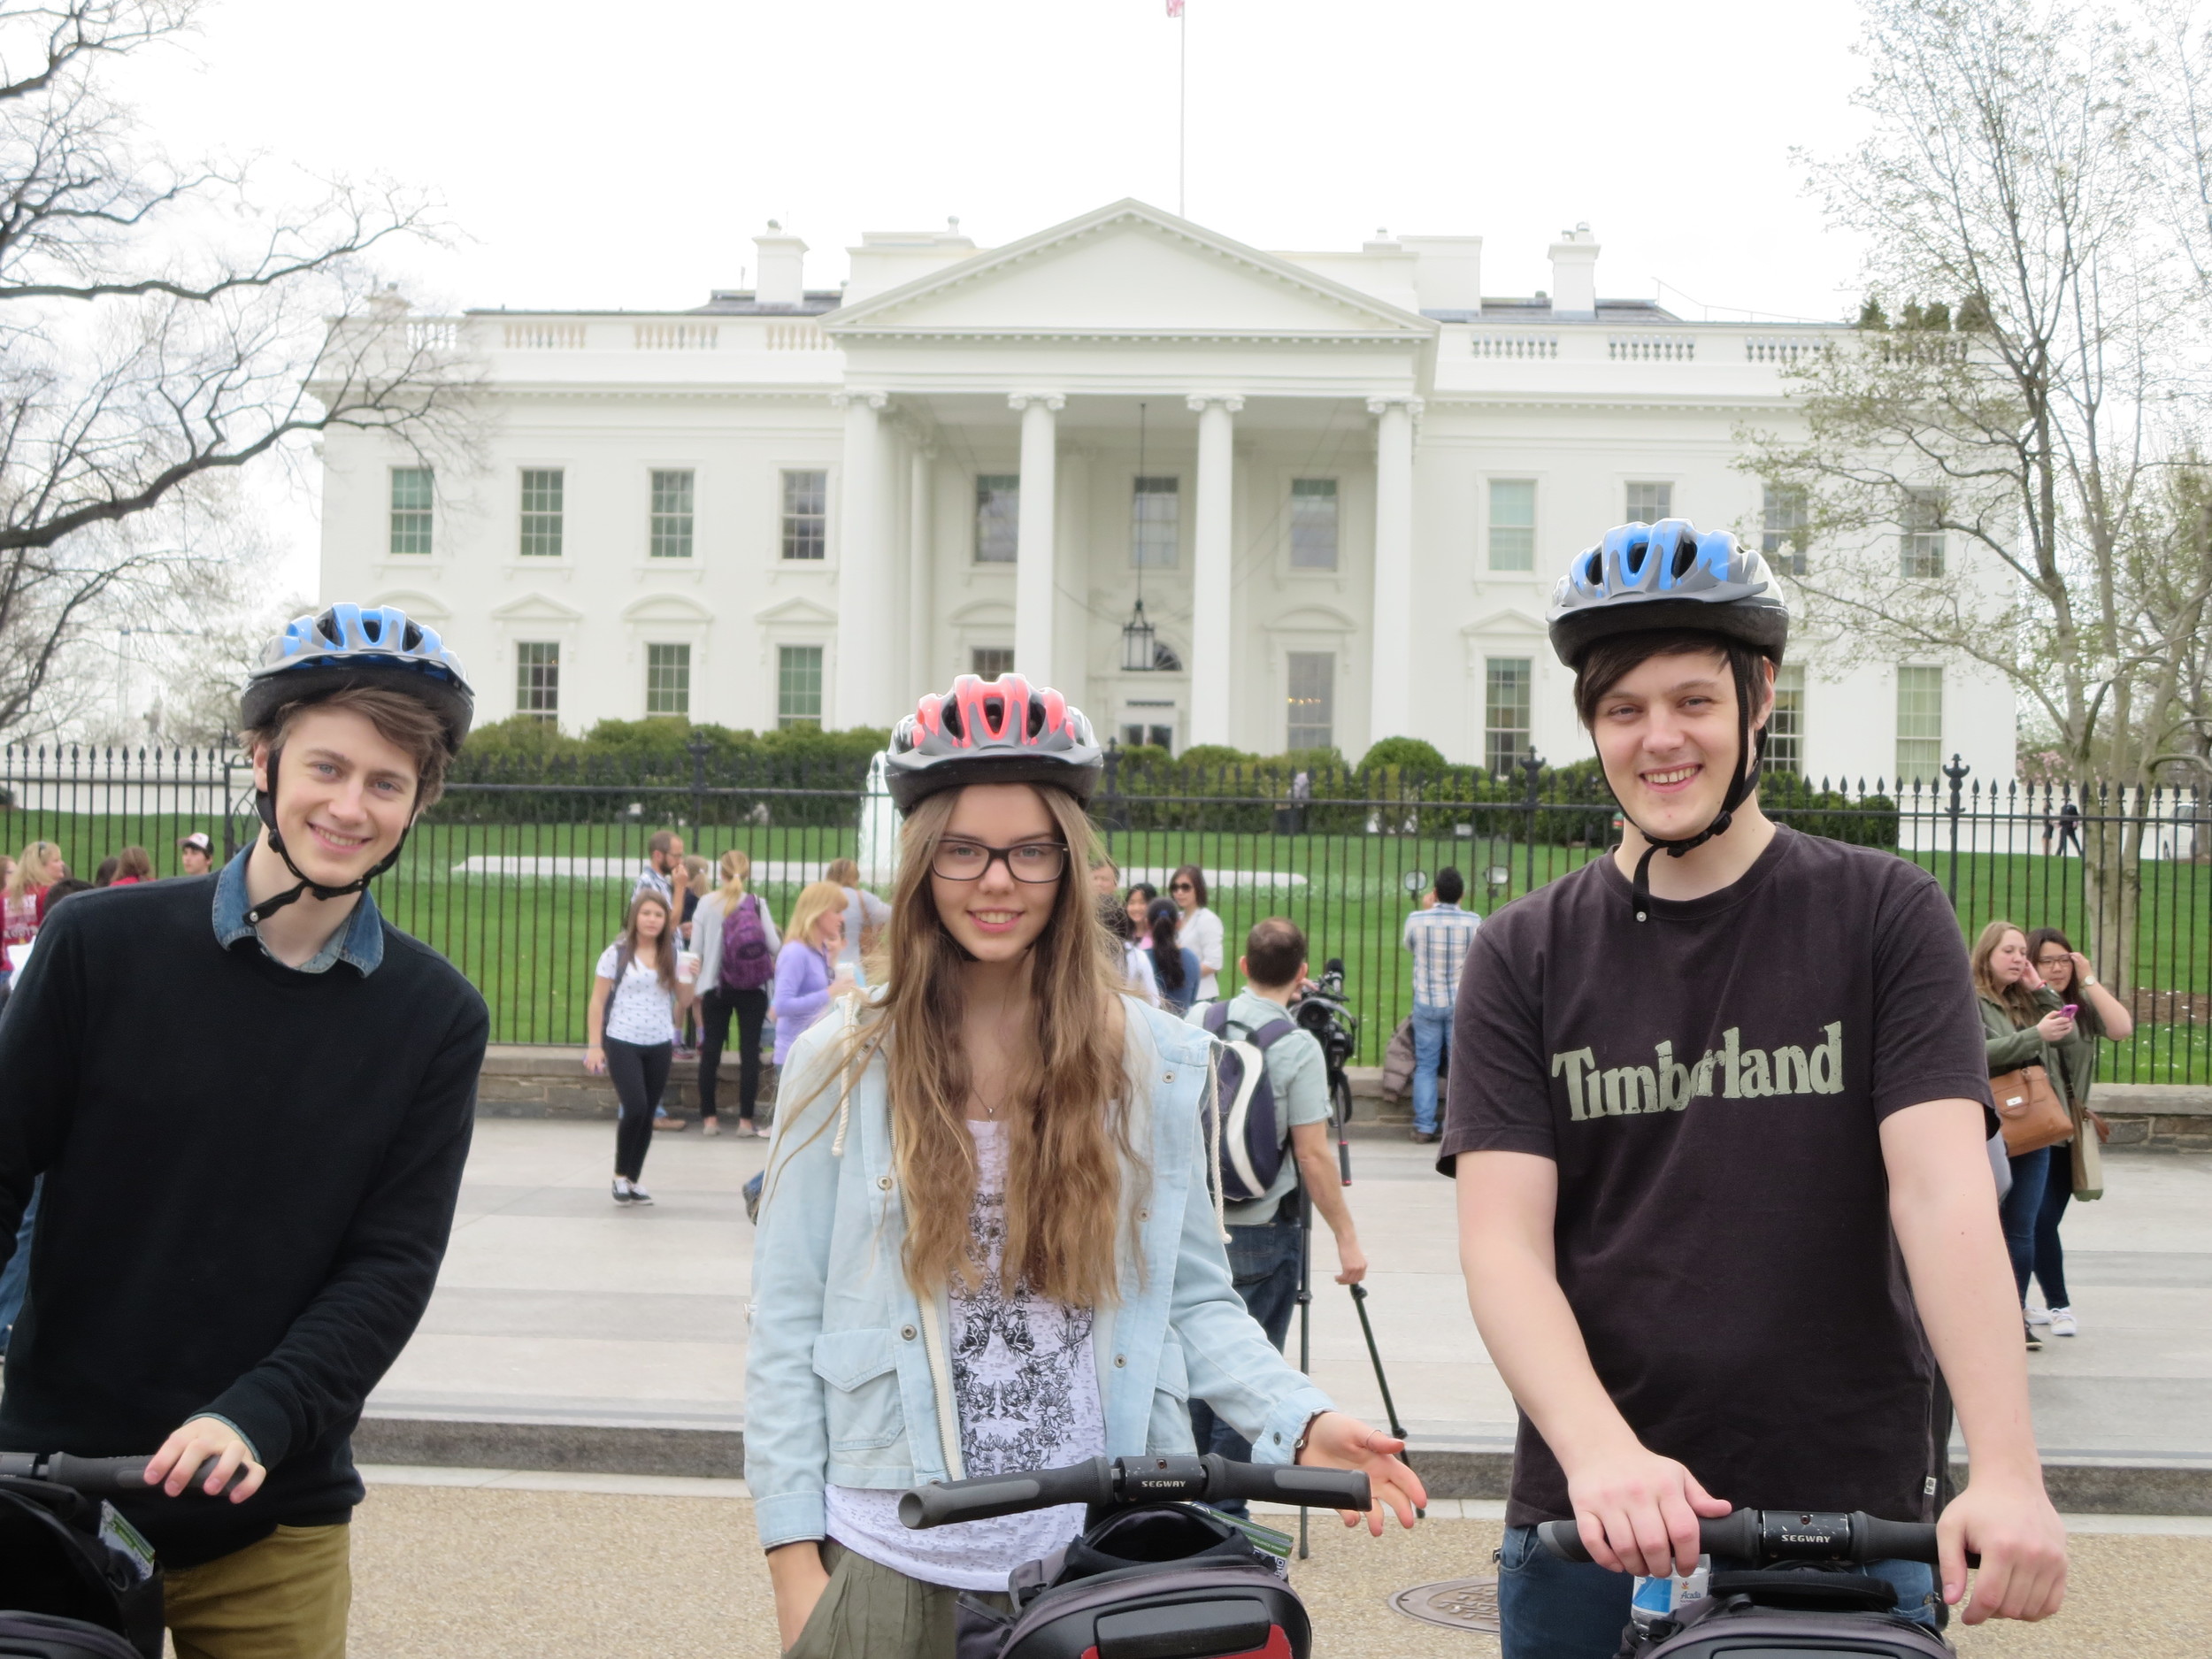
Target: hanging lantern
1138,644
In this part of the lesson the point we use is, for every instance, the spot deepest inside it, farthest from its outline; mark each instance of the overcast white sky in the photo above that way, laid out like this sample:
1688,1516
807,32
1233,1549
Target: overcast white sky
601,155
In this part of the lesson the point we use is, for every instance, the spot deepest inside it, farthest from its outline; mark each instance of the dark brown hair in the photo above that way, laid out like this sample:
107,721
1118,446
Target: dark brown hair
1198,882
633,944
404,722
2043,936
134,860
1612,659
1274,950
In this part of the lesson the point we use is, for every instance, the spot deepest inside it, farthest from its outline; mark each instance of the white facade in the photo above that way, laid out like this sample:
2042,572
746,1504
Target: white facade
1351,481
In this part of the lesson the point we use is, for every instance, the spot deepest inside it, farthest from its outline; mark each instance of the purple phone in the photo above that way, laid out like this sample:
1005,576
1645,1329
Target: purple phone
2070,1009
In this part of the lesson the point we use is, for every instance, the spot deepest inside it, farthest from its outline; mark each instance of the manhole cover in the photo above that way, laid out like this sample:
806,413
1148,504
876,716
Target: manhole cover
1457,1603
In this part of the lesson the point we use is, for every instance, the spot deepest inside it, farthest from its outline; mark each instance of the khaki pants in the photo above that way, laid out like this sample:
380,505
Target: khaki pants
872,1611
283,1598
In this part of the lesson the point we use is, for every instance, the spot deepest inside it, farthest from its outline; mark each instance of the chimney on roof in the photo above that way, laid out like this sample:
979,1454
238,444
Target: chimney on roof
782,268
1574,272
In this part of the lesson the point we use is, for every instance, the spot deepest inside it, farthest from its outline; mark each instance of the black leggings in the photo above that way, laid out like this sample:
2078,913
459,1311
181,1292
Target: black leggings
639,1073
715,1009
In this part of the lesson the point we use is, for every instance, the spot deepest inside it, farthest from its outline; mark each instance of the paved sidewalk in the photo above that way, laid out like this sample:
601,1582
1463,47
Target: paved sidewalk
555,1305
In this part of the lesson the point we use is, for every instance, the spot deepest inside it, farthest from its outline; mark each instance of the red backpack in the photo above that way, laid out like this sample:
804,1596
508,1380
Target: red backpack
747,961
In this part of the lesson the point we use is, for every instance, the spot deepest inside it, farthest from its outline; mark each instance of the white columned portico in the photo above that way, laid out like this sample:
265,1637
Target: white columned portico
1032,531
864,608
1390,702
921,569
1212,568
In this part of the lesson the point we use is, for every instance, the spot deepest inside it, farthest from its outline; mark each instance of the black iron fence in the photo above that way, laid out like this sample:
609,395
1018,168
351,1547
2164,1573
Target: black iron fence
520,874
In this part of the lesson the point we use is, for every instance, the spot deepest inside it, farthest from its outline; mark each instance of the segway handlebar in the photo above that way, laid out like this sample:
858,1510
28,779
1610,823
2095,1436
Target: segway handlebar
1765,1536
1131,1480
97,1477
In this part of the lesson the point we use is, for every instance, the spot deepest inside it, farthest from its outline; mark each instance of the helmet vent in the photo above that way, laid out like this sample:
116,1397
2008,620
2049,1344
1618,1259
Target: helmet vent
951,715
1684,558
1036,717
994,714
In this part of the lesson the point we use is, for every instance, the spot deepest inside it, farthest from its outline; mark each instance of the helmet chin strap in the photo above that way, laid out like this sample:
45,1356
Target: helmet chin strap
264,804
1750,756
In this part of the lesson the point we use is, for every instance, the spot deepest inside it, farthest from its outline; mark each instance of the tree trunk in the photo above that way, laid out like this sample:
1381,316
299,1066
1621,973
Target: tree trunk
2112,882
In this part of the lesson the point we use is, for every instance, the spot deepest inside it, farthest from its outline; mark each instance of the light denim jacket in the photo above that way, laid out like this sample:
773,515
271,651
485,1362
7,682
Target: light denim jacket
848,1378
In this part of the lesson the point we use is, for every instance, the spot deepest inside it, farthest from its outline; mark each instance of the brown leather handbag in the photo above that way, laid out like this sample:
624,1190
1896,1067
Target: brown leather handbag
2029,1111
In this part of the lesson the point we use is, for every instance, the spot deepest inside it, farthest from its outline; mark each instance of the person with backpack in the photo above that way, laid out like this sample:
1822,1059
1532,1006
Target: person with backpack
988,1234
734,938
251,1098
1275,1138
638,992
1718,1116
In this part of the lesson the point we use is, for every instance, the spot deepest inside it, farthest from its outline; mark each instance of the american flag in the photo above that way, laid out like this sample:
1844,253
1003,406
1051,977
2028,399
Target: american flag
1175,8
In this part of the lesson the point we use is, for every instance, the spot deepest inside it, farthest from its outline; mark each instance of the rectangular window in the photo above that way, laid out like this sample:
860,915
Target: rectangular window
1312,700
988,662
1157,736
1505,712
806,515
1786,727
410,510
998,500
670,537
1512,524
1155,521
1919,725
668,680
538,678
798,686
1313,524
1648,503
1920,549
1782,531
542,490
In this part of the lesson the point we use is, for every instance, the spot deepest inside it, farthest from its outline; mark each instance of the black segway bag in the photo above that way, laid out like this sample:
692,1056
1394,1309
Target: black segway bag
66,1590
1143,1583
1788,1614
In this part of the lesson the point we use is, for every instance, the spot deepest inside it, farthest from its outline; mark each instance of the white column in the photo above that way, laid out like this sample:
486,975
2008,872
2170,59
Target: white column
921,572
1212,563
1033,528
864,609
1390,702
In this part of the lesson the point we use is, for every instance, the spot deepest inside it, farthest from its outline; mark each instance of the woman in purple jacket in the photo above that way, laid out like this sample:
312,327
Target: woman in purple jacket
805,981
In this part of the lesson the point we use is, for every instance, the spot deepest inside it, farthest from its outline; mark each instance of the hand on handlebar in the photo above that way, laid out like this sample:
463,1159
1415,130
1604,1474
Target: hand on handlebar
1334,1440
2023,1547
191,1447
1639,1512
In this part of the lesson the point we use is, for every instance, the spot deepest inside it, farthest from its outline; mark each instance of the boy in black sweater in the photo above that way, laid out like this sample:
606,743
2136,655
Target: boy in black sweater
251,1099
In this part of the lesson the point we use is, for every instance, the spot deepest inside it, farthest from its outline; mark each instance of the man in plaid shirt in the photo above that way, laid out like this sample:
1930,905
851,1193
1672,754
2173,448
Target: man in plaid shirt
1439,937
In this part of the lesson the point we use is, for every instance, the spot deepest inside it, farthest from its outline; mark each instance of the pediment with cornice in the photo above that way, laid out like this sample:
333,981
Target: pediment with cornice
536,608
1126,271
667,608
796,613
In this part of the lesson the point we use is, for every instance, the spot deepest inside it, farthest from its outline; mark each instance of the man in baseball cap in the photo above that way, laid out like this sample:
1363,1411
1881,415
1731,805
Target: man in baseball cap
197,853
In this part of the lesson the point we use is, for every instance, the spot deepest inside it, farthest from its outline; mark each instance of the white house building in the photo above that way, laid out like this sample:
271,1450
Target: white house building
1340,485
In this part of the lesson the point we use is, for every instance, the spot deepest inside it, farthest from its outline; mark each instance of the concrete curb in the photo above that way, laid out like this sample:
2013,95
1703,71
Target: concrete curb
2080,1483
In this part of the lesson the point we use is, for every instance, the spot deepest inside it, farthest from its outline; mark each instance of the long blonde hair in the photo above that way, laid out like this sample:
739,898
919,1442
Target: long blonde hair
844,871
815,900
2014,997
736,864
34,869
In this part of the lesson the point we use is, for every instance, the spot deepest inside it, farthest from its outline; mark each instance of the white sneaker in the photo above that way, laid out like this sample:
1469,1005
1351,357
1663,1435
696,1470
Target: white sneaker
2062,1322
621,1190
639,1195
2038,1315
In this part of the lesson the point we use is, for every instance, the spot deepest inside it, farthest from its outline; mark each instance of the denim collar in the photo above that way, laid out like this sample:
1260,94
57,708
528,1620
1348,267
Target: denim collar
359,943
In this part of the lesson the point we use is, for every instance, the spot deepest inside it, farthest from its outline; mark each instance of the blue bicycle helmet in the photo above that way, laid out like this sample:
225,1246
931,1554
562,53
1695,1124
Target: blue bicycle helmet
345,647
1642,578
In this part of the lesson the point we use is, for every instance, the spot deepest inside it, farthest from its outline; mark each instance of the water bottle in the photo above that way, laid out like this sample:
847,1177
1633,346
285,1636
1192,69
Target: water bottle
1658,1598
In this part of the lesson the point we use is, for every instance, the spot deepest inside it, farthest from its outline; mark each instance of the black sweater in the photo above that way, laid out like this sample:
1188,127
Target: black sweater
250,1174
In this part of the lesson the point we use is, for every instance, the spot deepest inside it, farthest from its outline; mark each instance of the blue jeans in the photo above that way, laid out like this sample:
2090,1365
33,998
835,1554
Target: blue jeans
1431,1040
2022,1205
1576,1610
15,1279
1264,1264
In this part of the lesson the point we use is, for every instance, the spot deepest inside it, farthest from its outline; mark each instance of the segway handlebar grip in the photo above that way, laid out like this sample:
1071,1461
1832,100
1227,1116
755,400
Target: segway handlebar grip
1562,1538
1873,1538
1288,1483
1741,1536
941,1503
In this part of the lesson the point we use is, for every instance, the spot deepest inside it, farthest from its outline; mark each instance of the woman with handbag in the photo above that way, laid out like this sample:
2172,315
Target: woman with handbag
2077,1170
2022,1024
734,938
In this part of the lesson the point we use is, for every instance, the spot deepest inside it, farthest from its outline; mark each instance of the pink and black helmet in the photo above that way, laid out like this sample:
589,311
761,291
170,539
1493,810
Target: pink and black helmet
992,731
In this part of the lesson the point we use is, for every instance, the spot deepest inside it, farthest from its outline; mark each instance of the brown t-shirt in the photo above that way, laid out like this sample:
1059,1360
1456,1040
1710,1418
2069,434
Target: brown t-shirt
1709,1084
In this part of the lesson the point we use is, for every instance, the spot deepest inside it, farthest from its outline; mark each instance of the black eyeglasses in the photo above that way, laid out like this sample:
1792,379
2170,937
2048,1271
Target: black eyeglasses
971,861
1182,887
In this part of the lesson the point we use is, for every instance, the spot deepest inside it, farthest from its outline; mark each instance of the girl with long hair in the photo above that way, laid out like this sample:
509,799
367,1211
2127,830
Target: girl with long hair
2024,1023
734,938
809,969
23,906
1139,905
866,916
1174,964
637,992
989,1238
1136,961
2097,1016
1199,928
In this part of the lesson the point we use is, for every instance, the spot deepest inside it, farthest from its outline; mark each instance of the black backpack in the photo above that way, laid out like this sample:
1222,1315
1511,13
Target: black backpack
1797,1611
1250,1129
70,1586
